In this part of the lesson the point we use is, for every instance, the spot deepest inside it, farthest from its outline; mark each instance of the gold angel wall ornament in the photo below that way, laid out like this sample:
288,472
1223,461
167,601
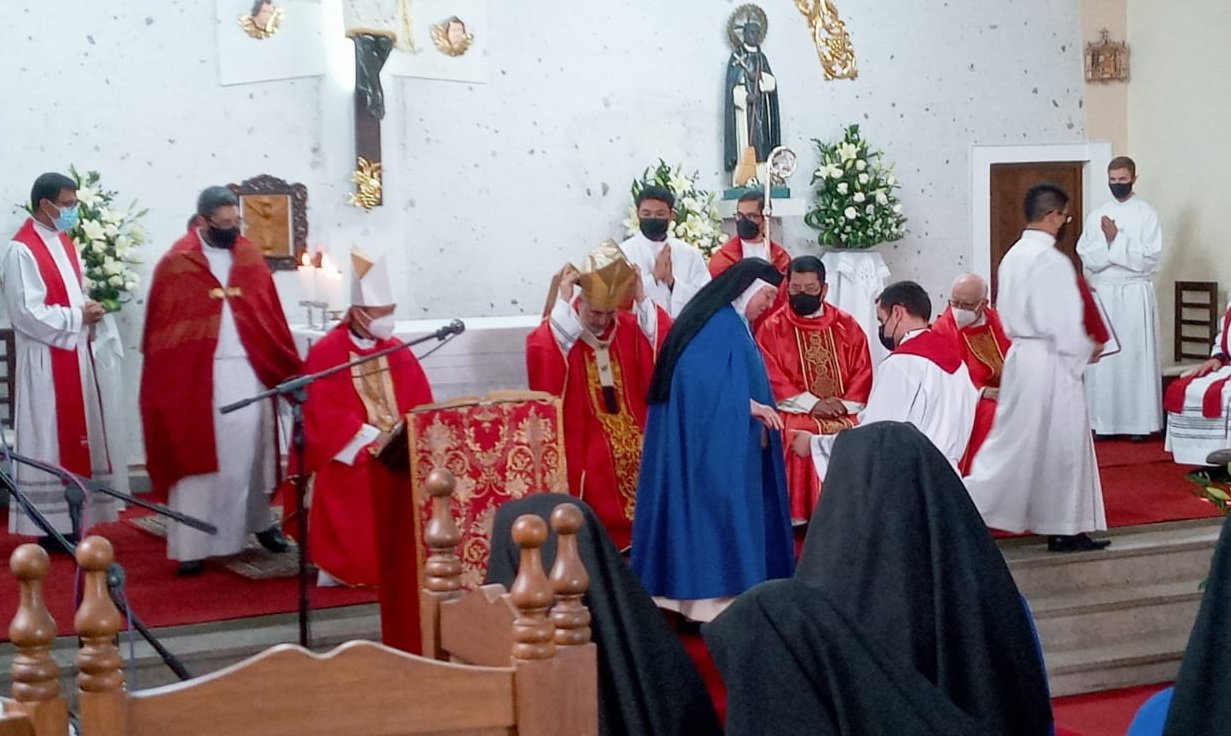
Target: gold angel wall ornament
368,180
263,21
833,43
451,36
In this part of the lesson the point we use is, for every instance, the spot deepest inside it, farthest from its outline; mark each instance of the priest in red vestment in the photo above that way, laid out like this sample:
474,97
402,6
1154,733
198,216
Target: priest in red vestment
975,328
349,418
750,242
214,333
820,370
600,359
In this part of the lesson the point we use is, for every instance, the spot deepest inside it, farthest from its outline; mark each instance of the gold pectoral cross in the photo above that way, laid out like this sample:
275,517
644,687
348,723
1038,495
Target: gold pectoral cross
227,292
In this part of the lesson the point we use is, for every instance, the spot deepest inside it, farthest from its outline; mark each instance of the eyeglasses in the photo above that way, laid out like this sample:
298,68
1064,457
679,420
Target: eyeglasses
751,217
809,290
239,222
1067,217
969,306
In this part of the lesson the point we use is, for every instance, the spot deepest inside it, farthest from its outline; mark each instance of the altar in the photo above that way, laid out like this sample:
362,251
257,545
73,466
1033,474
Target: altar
490,355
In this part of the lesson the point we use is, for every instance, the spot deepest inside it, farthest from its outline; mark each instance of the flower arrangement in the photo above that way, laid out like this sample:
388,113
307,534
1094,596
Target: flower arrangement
106,239
1216,492
855,205
696,216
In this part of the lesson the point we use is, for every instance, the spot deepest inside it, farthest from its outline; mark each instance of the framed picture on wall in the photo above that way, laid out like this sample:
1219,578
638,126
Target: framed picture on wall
275,218
1106,60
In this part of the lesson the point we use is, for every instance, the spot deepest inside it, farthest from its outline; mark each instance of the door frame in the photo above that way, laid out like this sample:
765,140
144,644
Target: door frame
1096,155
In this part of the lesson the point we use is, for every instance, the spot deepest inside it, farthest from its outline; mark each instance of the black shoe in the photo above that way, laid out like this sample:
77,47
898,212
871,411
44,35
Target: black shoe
53,546
188,568
1140,438
1075,543
272,540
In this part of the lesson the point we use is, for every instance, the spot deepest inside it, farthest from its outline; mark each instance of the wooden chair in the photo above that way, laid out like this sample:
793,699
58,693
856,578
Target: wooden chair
8,382
1197,315
534,668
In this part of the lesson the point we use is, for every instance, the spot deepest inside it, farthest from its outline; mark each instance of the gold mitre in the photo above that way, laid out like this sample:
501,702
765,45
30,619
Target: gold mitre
606,276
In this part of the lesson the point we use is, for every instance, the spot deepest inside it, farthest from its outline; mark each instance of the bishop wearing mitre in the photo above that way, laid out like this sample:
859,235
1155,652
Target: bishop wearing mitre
350,416
819,368
599,359
975,328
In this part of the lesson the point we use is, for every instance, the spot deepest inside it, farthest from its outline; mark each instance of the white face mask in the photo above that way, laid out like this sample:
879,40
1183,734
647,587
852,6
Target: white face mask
964,317
381,328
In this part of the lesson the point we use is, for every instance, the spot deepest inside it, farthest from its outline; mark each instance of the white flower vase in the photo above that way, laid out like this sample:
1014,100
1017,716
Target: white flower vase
855,278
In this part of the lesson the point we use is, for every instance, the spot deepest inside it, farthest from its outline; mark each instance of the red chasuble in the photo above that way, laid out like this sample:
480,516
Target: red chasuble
71,430
603,447
983,348
827,357
181,335
361,521
732,252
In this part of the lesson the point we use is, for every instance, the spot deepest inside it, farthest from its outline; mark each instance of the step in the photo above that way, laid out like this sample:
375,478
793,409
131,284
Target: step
1162,612
1139,556
1116,665
205,648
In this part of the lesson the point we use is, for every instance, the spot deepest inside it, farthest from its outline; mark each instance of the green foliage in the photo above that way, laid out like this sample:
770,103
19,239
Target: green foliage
855,206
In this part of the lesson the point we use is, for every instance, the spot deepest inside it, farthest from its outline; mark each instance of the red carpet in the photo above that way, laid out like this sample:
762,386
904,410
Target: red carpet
158,596
1102,714
1141,485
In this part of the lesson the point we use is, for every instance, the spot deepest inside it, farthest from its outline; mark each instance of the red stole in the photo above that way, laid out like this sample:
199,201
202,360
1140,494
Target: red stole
983,347
603,448
71,429
1090,317
1211,402
183,311
732,252
935,347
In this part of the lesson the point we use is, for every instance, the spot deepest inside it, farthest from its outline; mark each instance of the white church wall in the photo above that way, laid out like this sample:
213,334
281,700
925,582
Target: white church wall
1106,103
491,187
1178,104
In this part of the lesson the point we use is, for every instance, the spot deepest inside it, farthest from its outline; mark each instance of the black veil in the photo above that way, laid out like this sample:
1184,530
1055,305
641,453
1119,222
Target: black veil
705,304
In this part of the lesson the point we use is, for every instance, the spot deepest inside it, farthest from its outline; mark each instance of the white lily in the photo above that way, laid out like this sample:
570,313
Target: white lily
93,229
87,196
851,213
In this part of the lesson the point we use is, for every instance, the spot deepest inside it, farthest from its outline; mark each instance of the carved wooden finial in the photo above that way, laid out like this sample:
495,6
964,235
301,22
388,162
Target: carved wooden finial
569,579
36,676
97,621
533,631
442,572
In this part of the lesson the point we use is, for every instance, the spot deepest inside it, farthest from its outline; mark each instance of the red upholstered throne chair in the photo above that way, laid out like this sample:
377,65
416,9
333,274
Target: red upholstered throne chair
500,448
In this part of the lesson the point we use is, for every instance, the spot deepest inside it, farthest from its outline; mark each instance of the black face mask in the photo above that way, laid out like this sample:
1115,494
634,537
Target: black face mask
747,229
222,237
654,228
886,340
805,304
1121,190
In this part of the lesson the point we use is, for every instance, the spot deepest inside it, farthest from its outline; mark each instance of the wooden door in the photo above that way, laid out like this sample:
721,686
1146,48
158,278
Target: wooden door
1009,185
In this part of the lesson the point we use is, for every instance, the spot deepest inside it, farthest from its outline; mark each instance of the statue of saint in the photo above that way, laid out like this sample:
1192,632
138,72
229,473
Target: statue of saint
752,125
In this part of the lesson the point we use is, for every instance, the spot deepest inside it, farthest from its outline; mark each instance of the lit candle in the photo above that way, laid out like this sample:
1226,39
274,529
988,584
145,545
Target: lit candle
306,275
330,285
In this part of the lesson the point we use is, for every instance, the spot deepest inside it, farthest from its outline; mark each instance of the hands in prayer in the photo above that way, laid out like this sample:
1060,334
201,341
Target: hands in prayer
831,408
662,267
801,443
92,312
766,415
1109,229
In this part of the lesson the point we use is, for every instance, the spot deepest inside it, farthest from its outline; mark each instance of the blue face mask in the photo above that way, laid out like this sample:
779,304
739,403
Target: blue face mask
67,219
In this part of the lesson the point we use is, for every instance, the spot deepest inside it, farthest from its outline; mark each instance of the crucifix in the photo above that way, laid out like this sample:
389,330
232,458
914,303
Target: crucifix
375,27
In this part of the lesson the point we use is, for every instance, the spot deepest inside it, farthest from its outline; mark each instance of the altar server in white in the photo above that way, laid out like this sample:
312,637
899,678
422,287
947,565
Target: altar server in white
1037,470
672,270
1120,248
1196,405
923,381
59,416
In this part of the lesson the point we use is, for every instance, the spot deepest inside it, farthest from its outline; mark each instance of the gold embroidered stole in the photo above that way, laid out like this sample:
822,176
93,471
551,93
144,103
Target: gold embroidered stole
819,357
986,349
374,384
623,434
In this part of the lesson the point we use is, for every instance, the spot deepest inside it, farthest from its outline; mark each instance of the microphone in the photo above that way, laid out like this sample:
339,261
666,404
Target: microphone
456,327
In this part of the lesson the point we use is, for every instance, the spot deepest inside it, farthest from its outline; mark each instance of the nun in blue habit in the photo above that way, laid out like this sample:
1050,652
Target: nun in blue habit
712,515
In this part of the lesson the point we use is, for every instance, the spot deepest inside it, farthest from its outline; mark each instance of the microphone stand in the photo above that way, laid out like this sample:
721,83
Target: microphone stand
295,392
75,493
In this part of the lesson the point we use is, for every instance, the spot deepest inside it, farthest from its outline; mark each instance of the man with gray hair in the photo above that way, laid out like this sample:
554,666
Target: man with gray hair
214,333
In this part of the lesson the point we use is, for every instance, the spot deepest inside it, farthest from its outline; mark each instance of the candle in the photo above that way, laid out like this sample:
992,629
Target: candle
330,284
306,275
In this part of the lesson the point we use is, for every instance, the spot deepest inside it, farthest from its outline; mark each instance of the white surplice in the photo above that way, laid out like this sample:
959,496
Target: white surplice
1191,436
687,267
1037,470
911,388
37,328
236,497
1124,390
